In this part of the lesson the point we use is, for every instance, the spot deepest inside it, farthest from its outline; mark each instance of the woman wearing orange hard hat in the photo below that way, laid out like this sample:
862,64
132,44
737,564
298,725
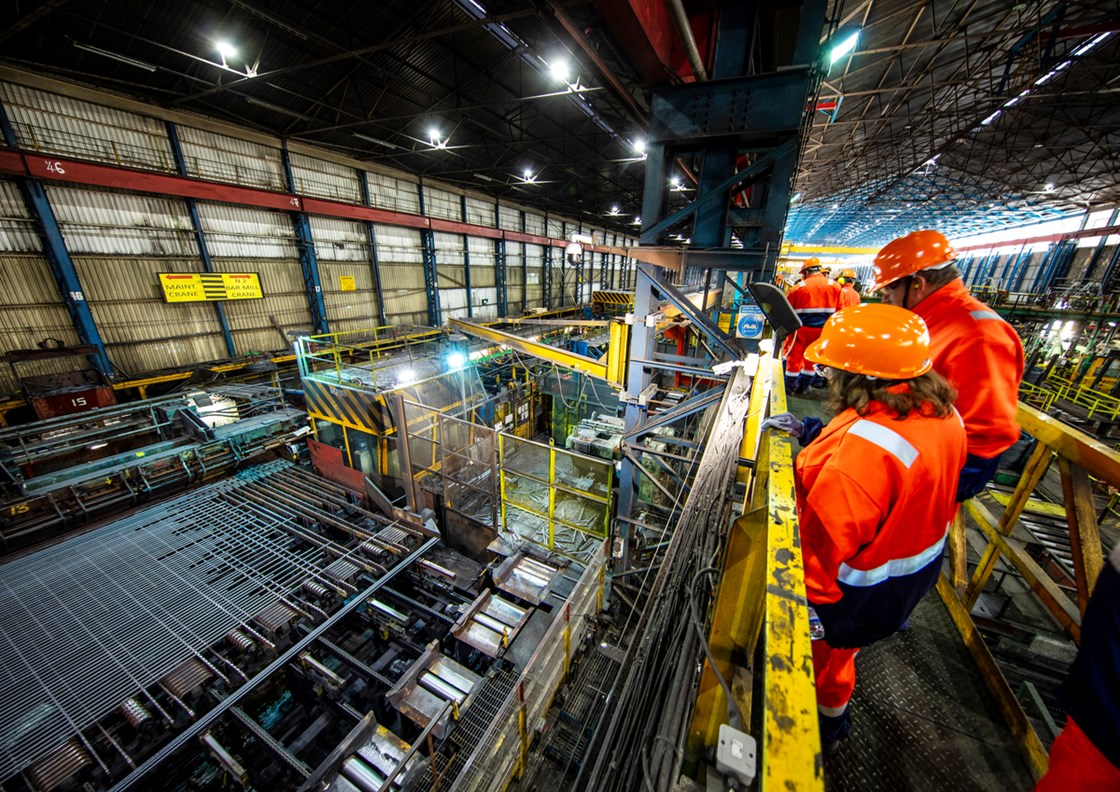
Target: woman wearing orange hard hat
876,490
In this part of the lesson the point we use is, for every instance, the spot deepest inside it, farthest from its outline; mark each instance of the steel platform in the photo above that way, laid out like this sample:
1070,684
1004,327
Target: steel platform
922,717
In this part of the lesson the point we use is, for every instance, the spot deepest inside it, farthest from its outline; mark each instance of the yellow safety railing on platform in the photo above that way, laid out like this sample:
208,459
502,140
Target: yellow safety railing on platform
761,597
1078,457
1096,403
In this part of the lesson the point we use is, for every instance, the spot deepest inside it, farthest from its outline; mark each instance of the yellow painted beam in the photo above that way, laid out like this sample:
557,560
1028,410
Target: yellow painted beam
1033,506
791,745
1078,447
827,250
561,357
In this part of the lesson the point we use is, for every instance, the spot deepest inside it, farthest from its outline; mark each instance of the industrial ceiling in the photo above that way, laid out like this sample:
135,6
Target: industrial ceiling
959,114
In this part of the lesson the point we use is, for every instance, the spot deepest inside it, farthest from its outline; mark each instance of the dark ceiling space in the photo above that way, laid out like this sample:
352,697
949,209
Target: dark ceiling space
373,81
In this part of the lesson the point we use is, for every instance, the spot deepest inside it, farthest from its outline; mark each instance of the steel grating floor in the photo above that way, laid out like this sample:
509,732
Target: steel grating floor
922,717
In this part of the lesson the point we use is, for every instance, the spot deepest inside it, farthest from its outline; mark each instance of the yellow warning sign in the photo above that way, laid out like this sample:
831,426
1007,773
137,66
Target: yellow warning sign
346,283
205,286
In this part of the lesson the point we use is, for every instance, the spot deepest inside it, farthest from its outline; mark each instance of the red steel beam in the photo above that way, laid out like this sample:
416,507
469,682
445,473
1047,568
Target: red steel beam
60,169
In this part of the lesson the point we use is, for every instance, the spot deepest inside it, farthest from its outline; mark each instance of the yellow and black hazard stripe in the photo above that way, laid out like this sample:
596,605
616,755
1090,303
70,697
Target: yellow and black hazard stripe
352,408
213,286
612,297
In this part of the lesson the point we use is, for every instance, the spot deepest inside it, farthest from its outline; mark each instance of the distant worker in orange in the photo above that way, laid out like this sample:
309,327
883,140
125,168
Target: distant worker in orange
876,490
814,299
848,294
973,348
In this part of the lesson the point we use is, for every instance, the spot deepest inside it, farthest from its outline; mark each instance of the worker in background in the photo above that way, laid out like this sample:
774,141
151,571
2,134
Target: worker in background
848,294
1086,755
973,348
814,299
876,490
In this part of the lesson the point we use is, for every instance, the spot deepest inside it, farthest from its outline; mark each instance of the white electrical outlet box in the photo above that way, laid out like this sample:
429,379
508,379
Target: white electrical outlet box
737,754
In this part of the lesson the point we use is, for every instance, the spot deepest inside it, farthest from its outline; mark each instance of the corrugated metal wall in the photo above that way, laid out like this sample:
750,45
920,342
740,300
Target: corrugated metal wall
324,179
120,242
402,275
242,239
50,123
343,251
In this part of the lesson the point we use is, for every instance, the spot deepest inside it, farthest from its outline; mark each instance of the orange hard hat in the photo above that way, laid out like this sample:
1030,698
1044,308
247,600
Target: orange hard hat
912,253
809,263
875,339
848,273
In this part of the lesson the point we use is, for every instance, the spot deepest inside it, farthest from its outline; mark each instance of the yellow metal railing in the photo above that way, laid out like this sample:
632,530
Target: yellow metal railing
329,353
761,597
1097,403
1042,398
1079,457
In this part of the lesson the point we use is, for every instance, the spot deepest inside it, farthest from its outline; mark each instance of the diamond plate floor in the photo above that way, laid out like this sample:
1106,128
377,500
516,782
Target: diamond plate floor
923,719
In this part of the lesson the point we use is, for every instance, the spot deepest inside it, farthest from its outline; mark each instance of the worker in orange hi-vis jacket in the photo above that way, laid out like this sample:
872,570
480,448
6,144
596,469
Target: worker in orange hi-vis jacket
876,490
814,299
1086,755
848,294
973,348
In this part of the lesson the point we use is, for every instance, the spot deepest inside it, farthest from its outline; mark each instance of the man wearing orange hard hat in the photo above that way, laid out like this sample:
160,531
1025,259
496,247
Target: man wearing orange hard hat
876,490
973,348
814,299
848,294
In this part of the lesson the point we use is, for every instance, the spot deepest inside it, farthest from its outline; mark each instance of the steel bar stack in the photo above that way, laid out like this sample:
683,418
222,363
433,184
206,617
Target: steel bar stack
91,623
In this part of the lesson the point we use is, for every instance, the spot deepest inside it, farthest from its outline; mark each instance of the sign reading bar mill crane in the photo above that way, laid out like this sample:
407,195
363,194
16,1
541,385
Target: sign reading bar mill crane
205,286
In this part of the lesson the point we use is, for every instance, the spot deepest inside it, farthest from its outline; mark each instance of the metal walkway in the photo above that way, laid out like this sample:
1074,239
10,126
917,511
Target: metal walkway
922,717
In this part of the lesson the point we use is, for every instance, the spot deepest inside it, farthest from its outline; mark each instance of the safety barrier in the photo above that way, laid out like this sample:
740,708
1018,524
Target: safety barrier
1078,457
1095,402
761,597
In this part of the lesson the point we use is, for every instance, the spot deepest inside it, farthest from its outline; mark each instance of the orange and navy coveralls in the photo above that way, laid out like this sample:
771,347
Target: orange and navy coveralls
982,356
814,299
1086,755
875,497
848,296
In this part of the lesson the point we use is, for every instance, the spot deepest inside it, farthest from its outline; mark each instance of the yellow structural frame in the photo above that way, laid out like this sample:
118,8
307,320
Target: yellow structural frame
761,597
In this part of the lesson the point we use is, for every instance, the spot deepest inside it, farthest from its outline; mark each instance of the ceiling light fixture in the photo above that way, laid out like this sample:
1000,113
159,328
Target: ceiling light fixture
614,209
435,139
276,108
378,141
843,46
559,69
139,64
640,146
226,50
483,177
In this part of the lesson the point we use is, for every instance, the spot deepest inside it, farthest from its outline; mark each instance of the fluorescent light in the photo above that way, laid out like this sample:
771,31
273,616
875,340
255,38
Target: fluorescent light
1049,186
483,177
843,47
992,118
96,446
139,64
378,141
276,108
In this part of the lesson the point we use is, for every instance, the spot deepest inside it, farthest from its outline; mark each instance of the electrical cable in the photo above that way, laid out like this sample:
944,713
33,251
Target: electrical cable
734,714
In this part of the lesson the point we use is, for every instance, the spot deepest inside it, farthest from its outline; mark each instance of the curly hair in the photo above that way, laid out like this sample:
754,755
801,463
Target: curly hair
929,394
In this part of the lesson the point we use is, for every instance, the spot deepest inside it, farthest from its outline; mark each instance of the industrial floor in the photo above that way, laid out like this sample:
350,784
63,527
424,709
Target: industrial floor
923,719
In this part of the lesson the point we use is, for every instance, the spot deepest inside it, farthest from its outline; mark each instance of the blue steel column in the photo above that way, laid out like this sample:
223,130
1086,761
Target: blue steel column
200,238
62,266
524,269
307,261
546,276
563,267
500,266
466,257
431,275
374,258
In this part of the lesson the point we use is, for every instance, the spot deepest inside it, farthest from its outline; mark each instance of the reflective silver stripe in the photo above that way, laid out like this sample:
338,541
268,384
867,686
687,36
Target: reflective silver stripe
898,567
985,315
887,439
1114,558
814,310
831,712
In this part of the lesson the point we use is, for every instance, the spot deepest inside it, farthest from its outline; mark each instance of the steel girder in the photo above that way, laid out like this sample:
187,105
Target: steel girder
308,262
